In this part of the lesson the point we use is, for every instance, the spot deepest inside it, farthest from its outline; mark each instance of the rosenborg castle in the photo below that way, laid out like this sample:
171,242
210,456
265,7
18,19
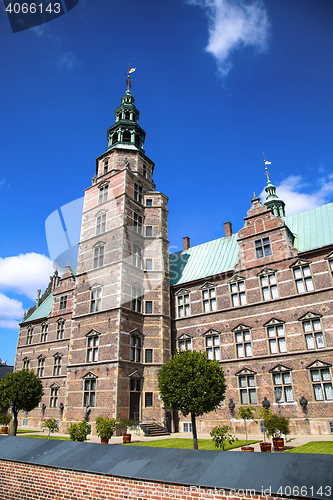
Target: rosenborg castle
260,301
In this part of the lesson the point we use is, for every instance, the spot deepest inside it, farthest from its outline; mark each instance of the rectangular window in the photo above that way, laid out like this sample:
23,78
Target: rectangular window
103,194
138,193
54,397
106,165
148,399
92,349
185,344
144,170
313,334
187,426
276,339
149,264
89,396
263,248
303,279
148,356
137,256
136,299
183,305
60,329
100,224
322,384
248,394
135,385
95,299
282,382
30,333
330,425
149,230
137,223
149,307
213,347
98,257
209,300
26,364
40,367
238,295
136,347
57,366
269,287
63,302
43,335
243,344
149,203
330,263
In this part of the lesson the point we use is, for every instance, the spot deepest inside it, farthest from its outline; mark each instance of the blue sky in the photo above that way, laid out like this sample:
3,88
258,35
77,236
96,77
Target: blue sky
217,83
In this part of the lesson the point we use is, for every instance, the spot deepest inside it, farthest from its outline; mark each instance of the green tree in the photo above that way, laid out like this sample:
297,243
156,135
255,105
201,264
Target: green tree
220,435
246,413
21,390
51,425
192,384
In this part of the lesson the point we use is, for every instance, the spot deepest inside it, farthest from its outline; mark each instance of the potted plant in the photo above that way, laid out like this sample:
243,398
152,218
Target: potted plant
277,425
220,435
51,425
125,423
80,431
246,413
105,428
262,414
4,421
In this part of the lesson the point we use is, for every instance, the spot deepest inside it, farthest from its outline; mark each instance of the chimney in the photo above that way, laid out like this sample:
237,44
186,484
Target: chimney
186,243
227,228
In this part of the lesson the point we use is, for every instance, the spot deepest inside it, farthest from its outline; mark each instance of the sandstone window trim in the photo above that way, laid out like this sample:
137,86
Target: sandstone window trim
313,331
60,328
138,192
302,276
212,345
92,347
276,336
95,298
268,284
100,222
237,291
247,387
136,347
26,363
149,355
57,362
99,253
30,332
183,305
208,297
137,255
282,380
103,193
184,342
89,390
137,294
44,332
54,395
321,380
243,341
263,247
63,302
40,366
329,259
137,222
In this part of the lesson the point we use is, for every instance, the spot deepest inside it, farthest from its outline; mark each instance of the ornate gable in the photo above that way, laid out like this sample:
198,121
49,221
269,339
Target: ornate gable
245,371
92,333
182,291
90,376
136,332
235,278
318,364
99,244
207,285
280,369
211,331
55,385
185,336
266,271
135,375
300,262
274,322
241,328
310,315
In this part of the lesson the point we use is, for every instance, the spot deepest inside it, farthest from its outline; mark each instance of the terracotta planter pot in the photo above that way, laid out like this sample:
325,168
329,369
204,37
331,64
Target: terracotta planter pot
104,441
265,446
278,444
127,438
247,448
4,430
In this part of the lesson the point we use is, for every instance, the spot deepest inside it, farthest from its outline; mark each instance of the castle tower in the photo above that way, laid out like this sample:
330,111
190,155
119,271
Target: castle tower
121,319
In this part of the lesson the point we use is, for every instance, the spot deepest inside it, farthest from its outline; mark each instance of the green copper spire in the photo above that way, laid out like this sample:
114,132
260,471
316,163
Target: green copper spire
273,202
126,132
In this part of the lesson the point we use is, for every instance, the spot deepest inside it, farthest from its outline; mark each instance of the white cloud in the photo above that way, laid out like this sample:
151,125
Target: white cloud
25,273
68,61
233,25
9,309
292,191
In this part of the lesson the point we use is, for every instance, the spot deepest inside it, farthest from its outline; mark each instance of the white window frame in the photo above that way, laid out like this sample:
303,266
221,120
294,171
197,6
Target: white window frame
92,348
40,366
98,259
247,391
303,278
95,299
263,247
103,194
44,332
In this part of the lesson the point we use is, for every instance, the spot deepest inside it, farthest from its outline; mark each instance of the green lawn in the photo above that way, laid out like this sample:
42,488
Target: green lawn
187,444
323,447
21,431
44,436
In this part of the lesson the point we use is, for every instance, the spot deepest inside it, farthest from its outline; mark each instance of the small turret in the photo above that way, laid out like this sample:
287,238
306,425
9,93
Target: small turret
273,202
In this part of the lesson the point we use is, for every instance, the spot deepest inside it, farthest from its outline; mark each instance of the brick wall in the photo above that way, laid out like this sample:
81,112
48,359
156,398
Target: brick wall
19,481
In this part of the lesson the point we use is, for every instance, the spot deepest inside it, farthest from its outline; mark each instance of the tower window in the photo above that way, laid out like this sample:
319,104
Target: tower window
95,299
127,115
149,264
26,364
138,192
100,224
60,329
126,136
303,279
148,399
137,140
136,347
89,396
63,302
106,166
148,356
115,138
149,307
137,223
92,349
263,248
136,298
137,256
144,170
98,256
149,230
57,366
103,194
149,203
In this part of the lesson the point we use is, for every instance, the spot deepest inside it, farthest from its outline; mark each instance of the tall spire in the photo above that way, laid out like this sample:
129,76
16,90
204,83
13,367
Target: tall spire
126,132
273,202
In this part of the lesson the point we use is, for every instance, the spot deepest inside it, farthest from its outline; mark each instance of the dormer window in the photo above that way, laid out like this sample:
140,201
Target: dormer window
263,248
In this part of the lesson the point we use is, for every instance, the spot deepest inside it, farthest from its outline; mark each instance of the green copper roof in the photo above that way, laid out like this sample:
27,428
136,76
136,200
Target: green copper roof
42,311
313,228
208,259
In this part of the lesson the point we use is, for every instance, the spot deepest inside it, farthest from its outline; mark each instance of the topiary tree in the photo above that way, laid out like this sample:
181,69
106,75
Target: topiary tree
20,390
192,384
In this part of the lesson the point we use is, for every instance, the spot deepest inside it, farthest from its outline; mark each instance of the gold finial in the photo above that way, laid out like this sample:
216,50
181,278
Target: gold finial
128,75
266,169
